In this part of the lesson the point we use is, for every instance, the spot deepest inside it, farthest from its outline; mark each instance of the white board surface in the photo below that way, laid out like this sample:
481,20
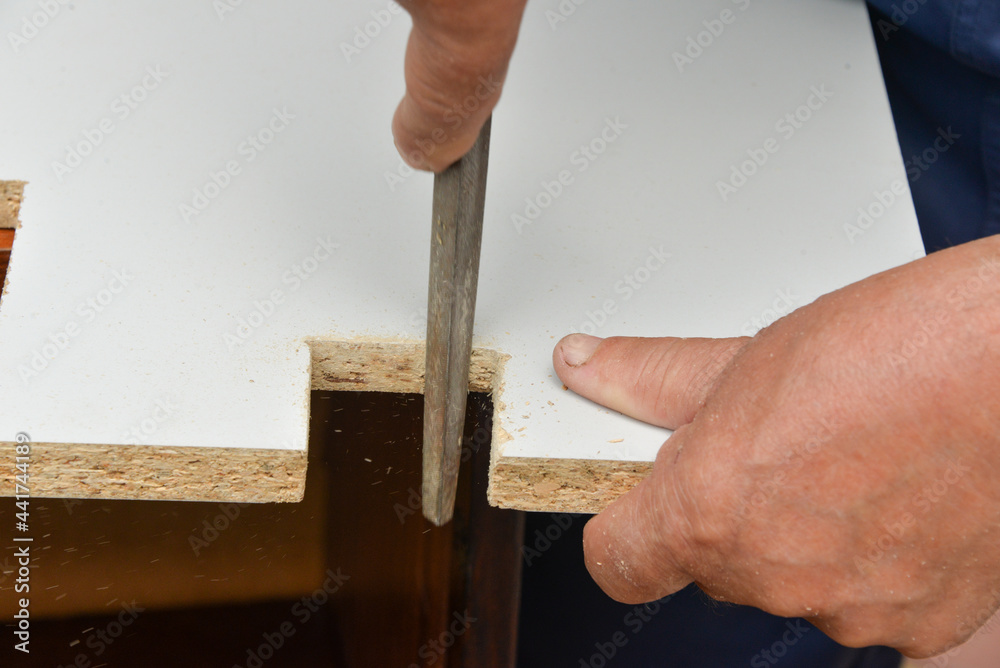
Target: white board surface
122,307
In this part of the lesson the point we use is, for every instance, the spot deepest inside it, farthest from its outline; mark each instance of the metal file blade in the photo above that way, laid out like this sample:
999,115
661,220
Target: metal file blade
456,237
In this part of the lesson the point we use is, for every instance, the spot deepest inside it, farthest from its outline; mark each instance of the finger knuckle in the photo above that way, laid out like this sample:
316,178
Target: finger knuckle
705,530
712,367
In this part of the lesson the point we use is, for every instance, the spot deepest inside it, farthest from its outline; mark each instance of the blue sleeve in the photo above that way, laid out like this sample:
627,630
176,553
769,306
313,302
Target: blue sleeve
941,61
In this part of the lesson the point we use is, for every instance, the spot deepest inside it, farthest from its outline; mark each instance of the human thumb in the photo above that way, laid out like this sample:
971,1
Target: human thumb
662,381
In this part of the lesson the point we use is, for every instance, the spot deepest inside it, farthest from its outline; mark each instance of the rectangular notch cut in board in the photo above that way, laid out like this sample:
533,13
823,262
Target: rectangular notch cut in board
165,472
11,194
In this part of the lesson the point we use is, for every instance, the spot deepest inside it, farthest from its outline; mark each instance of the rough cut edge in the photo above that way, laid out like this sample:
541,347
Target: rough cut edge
519,483
167,473
561,485
246,475
11,195
161,473
382,366
65,470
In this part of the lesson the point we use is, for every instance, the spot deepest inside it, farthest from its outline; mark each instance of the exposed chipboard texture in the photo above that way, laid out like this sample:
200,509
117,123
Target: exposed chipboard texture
11,193
215,221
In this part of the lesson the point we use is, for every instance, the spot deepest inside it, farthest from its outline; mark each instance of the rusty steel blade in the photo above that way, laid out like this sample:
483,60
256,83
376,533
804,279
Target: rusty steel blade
456,237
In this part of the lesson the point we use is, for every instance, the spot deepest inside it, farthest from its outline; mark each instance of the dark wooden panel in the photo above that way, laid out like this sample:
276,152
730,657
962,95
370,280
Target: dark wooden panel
412,595
419,595
399,564
492,540
6,241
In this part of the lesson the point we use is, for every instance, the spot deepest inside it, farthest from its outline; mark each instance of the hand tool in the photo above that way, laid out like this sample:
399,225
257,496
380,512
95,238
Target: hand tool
456,238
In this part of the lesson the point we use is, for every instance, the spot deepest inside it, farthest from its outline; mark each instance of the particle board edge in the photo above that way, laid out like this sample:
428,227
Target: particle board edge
561,485
175,473
161,473
11,196
386,366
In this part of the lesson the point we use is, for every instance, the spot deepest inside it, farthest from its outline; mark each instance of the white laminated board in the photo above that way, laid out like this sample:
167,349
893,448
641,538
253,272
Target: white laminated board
215,222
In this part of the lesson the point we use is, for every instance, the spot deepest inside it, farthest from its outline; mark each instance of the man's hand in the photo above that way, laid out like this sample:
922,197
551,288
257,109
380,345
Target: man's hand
456,61
843,465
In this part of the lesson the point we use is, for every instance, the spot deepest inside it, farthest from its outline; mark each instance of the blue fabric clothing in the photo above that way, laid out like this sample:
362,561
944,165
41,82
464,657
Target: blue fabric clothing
941,63
567,622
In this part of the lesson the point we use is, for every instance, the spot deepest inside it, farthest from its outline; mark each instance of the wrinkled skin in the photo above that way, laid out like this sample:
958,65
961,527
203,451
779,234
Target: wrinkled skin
842,465
456,62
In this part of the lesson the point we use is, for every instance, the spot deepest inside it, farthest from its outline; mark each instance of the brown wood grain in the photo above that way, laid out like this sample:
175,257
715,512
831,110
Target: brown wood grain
492,539
409,584
11,196
6,243
167,554
412,583
400,565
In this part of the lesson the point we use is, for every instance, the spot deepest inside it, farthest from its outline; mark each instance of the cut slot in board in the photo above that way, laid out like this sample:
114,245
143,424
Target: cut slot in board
222,260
